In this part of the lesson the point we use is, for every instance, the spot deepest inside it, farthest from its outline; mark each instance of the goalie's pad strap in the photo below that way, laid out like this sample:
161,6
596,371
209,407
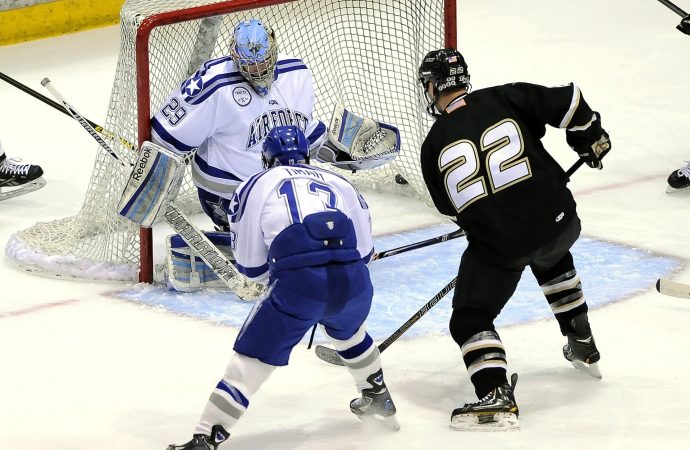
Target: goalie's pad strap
152,185
186,271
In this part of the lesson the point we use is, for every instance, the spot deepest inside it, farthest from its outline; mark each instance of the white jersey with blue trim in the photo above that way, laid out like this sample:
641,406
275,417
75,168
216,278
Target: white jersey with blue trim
270,201
218,112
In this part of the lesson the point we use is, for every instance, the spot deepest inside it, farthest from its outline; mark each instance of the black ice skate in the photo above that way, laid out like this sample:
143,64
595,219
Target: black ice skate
24,177
679,179
376,403
496,411
581,350
204,442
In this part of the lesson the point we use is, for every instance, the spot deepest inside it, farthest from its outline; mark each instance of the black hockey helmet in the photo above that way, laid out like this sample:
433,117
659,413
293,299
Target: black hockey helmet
445,69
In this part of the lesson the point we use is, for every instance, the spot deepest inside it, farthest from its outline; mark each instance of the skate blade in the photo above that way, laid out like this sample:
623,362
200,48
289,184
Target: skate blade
670,190
23,189
470,422
388,421
590,369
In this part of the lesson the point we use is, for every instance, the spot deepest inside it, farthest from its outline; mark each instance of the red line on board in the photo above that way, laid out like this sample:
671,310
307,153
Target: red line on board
21,312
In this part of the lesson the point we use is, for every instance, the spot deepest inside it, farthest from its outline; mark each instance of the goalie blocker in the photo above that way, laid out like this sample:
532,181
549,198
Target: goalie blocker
154,182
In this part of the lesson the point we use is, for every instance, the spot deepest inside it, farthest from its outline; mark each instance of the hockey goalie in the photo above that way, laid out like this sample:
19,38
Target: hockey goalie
203,260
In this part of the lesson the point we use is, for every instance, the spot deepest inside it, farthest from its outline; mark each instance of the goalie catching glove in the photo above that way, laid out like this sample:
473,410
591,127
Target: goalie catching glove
358,143
591,142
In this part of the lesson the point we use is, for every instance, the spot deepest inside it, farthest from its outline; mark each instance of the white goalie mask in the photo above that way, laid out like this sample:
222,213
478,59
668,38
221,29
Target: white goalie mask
254,51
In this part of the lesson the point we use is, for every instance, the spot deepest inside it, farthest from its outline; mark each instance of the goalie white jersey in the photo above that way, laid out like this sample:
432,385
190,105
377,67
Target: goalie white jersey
218,112
270,201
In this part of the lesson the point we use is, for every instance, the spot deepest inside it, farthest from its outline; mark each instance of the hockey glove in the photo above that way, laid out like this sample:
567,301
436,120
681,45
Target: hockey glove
591,142
594,153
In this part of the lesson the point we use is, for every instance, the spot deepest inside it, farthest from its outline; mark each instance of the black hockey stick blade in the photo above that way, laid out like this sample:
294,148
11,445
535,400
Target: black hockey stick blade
673,288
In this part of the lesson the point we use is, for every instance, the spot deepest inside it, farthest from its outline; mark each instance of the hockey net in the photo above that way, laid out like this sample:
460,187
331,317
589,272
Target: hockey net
363,54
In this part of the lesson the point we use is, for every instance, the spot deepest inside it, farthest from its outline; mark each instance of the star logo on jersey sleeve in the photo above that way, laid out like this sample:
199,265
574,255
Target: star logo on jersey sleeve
234,205
192,87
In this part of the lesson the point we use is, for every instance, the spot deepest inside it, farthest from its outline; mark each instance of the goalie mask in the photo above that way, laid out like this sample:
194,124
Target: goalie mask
284,146
253,49
445,69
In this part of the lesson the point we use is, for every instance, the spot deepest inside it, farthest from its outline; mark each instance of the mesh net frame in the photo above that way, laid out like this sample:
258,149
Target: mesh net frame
363,54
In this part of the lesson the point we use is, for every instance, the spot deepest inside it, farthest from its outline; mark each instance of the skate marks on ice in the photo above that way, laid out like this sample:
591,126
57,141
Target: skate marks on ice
402,283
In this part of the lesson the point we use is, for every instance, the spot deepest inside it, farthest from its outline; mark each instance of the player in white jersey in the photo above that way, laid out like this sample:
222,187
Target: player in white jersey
306,232
227,108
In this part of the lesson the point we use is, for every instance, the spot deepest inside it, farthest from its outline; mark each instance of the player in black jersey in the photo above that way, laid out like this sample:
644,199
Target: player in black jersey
484,163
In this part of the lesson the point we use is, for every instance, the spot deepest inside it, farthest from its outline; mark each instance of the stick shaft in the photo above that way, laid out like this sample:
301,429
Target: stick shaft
416,245
61,108
79,118
673,8
418,315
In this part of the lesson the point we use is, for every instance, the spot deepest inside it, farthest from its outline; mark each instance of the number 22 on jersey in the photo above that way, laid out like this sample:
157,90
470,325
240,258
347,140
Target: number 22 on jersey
501,150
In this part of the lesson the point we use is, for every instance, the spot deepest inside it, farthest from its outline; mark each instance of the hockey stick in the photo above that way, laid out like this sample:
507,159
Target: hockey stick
406,248
673,288
674,8
331,356
62,109
196,240
79,118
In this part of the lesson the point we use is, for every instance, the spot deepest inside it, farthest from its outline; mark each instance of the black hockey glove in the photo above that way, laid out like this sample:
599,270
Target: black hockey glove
684,25
593,154
591,143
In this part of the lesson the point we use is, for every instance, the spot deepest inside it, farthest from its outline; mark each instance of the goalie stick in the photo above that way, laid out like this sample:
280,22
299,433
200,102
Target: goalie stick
331,356
208,252
673,288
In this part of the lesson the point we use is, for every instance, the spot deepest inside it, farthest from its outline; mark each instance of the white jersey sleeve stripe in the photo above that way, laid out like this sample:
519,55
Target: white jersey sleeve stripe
214,172
209,90
316,137
168,139
253,272
574,103
243,194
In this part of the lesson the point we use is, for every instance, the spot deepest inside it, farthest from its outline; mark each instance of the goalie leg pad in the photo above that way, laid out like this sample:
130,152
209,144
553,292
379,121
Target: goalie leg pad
186,271
154,182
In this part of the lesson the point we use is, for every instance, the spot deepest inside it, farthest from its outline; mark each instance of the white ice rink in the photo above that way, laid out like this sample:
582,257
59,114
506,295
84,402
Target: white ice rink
83,369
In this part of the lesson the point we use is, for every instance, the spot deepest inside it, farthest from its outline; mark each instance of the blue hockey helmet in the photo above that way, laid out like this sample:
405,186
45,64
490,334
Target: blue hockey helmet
284,146
254,51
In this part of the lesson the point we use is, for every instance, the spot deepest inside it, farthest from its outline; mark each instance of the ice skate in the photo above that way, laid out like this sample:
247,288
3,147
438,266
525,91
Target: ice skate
679,179
581,350
23,178
496,411
376,403
204,442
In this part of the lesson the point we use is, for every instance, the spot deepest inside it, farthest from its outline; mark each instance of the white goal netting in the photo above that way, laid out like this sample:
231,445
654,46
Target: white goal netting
363,54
